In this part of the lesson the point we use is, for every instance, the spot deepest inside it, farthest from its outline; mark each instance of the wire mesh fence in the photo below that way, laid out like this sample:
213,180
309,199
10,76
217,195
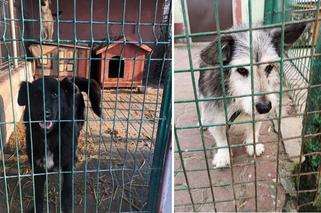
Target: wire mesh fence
286,176
120,155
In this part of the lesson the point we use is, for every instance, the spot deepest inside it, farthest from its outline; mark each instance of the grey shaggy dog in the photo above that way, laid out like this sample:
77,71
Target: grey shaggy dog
266,47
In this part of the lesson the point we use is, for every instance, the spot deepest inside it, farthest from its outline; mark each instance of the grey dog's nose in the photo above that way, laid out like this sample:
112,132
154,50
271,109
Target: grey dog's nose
263,107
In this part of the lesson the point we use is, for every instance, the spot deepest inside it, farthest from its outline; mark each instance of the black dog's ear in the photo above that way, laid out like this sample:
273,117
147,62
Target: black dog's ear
210,54
68,86
291,34
23,94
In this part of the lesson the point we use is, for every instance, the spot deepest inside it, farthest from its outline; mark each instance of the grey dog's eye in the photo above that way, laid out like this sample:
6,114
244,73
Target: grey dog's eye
269,68
244,72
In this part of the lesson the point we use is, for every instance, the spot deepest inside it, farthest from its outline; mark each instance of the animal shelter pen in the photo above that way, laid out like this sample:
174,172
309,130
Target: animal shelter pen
287,176
121,155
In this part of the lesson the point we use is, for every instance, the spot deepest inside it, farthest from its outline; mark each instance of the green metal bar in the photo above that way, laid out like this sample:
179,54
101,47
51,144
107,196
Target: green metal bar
145,91
184,169
280,104
73,102
252,99
247,64
100,132
128,123
87,106
59,112
228,31
187,32
220,59
160,146
28,100
311,122
44,107
10,68
117,94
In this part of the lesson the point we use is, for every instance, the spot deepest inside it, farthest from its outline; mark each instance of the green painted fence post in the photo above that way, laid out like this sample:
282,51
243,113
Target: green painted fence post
162,142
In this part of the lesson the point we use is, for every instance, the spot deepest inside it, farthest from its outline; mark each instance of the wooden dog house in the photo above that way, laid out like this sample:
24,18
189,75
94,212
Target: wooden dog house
72,59
121,64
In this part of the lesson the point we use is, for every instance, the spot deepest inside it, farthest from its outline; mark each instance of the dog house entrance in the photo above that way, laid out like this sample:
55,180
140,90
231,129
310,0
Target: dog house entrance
116,65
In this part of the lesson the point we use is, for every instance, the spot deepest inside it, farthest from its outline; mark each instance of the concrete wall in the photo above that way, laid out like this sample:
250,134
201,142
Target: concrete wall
10,111
257,11
240,11
177,11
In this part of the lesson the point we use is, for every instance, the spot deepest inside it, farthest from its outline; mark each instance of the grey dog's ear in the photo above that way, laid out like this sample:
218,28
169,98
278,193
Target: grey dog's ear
291,34
210,54
23,93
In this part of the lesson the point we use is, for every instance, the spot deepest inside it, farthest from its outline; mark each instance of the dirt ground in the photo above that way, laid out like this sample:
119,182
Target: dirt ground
120,148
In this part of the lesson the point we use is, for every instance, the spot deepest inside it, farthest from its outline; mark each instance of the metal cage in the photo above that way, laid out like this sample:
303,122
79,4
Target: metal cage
286,178
121,155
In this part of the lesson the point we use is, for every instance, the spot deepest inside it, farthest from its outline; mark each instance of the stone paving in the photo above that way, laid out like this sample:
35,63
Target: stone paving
229,193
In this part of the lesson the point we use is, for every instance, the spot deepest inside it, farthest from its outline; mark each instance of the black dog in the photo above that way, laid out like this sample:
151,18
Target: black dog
45,124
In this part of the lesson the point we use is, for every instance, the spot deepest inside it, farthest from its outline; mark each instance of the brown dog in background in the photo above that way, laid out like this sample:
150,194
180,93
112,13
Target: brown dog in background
47,20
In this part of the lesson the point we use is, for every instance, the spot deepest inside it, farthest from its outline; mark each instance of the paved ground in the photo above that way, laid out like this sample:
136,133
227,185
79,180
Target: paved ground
225,192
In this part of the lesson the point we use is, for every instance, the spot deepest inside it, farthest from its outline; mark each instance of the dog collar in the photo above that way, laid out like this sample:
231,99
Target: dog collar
233,117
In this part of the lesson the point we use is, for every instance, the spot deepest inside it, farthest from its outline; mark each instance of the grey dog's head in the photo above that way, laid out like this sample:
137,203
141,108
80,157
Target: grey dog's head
266,47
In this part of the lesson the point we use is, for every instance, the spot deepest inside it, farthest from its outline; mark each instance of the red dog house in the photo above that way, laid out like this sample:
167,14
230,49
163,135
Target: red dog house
121,64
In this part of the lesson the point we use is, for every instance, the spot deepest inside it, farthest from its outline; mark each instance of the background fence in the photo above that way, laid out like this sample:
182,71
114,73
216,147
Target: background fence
121,155
287,176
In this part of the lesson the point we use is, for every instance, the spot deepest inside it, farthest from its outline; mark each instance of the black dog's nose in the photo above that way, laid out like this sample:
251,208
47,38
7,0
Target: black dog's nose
263,107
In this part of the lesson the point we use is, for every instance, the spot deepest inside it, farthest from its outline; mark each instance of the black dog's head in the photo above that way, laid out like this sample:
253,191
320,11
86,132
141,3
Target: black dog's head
43,100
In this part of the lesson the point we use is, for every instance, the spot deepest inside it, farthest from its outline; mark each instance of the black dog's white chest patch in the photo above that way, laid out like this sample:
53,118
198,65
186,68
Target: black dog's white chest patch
49,162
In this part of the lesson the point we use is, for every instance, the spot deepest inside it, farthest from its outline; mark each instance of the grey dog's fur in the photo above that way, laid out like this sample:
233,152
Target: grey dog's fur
266,47
47,20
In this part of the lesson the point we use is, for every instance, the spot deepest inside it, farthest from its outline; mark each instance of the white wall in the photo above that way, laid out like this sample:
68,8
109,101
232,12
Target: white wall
257,11
177,10
17,76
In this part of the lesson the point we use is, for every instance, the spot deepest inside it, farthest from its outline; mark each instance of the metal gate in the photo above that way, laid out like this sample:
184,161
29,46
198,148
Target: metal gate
288,176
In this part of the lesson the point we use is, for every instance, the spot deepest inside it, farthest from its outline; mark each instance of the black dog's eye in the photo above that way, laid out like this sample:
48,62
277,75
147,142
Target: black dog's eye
269,68
244,72
54,95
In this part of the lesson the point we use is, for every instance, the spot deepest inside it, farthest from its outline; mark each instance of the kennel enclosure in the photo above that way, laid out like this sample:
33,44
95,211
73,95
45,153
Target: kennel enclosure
120,156
287,176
